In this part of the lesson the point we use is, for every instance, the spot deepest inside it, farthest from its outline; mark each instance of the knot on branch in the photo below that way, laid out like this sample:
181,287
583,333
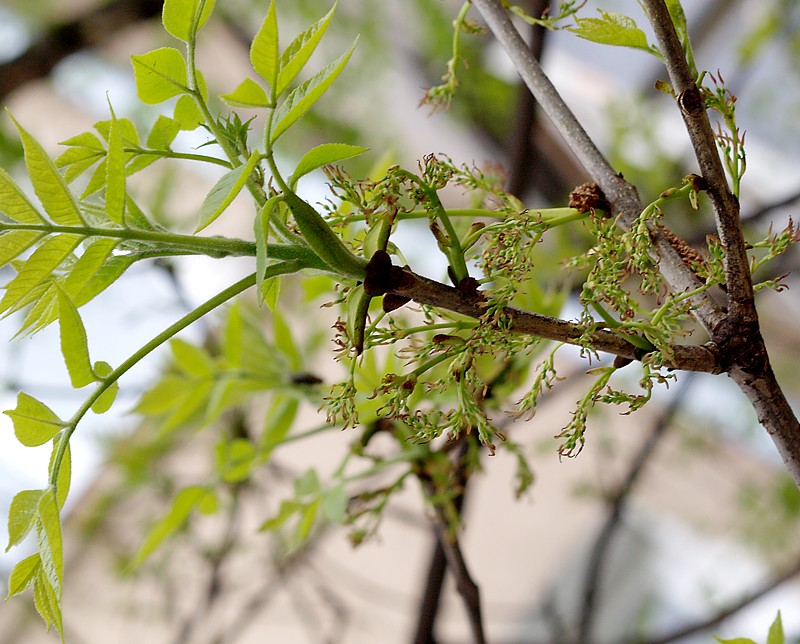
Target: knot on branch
588,197
381,276
690,101
739,344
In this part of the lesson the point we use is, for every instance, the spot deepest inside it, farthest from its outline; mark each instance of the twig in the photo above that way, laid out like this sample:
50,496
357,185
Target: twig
429,604
723,202
730,610
618,504
427,291
621,194
465,585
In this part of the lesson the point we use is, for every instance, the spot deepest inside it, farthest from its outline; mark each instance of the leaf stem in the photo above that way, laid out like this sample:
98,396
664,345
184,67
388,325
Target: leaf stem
202,310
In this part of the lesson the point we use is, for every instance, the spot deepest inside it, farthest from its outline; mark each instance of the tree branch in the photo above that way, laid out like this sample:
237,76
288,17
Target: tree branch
723,202
621,194
427,291
729,610
617,506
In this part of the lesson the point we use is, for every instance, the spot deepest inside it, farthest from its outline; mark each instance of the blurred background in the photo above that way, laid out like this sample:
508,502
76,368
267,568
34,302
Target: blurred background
672,525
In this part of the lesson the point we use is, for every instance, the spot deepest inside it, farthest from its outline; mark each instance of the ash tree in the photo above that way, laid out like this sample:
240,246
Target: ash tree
440,368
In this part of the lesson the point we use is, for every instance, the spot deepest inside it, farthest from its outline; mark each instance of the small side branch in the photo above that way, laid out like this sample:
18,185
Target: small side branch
723,202
427,291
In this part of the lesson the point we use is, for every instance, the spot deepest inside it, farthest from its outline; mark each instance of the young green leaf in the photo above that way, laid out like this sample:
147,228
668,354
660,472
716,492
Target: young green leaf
306,94
296,55
64,477
334,504
307,484
776,635
163,133
613,29
285,512
160,74
115,173
22,516
15,242
47,601
187,114
226,190
279,421
48,531
285,342
44,260
34,422
184,503
178,17
235,459
261,229
74,344
323,155
191,359
247,94
264,49
14,204
48,184
23,574
307,517
106,399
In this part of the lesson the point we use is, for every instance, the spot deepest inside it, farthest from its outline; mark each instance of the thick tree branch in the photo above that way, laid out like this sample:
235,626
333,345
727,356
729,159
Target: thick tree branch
621,194
427,291
738,336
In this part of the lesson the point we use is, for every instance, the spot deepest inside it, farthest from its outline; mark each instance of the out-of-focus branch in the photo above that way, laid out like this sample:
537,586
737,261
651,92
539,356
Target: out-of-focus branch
617,506
88,30
728,611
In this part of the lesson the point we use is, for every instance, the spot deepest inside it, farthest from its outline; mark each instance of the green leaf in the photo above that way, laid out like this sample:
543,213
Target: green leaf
126,128
613,29
307,518
183,505
306,94
178,17
34,422
226,190
191,359
48,184
776,635
15,242
107,398
74,344
287,510
47,601
194,399
285,342
14,204
48,531
235,459
115,173
97,181
279,420
163,133
296,55
187,114
23,574
42,262
264,49
64,478
323,155
737,640
247,94
307,484
334,504
22,516
160,74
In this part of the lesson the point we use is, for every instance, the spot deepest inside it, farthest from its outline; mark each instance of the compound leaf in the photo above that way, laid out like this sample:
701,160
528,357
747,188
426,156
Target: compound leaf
296,55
